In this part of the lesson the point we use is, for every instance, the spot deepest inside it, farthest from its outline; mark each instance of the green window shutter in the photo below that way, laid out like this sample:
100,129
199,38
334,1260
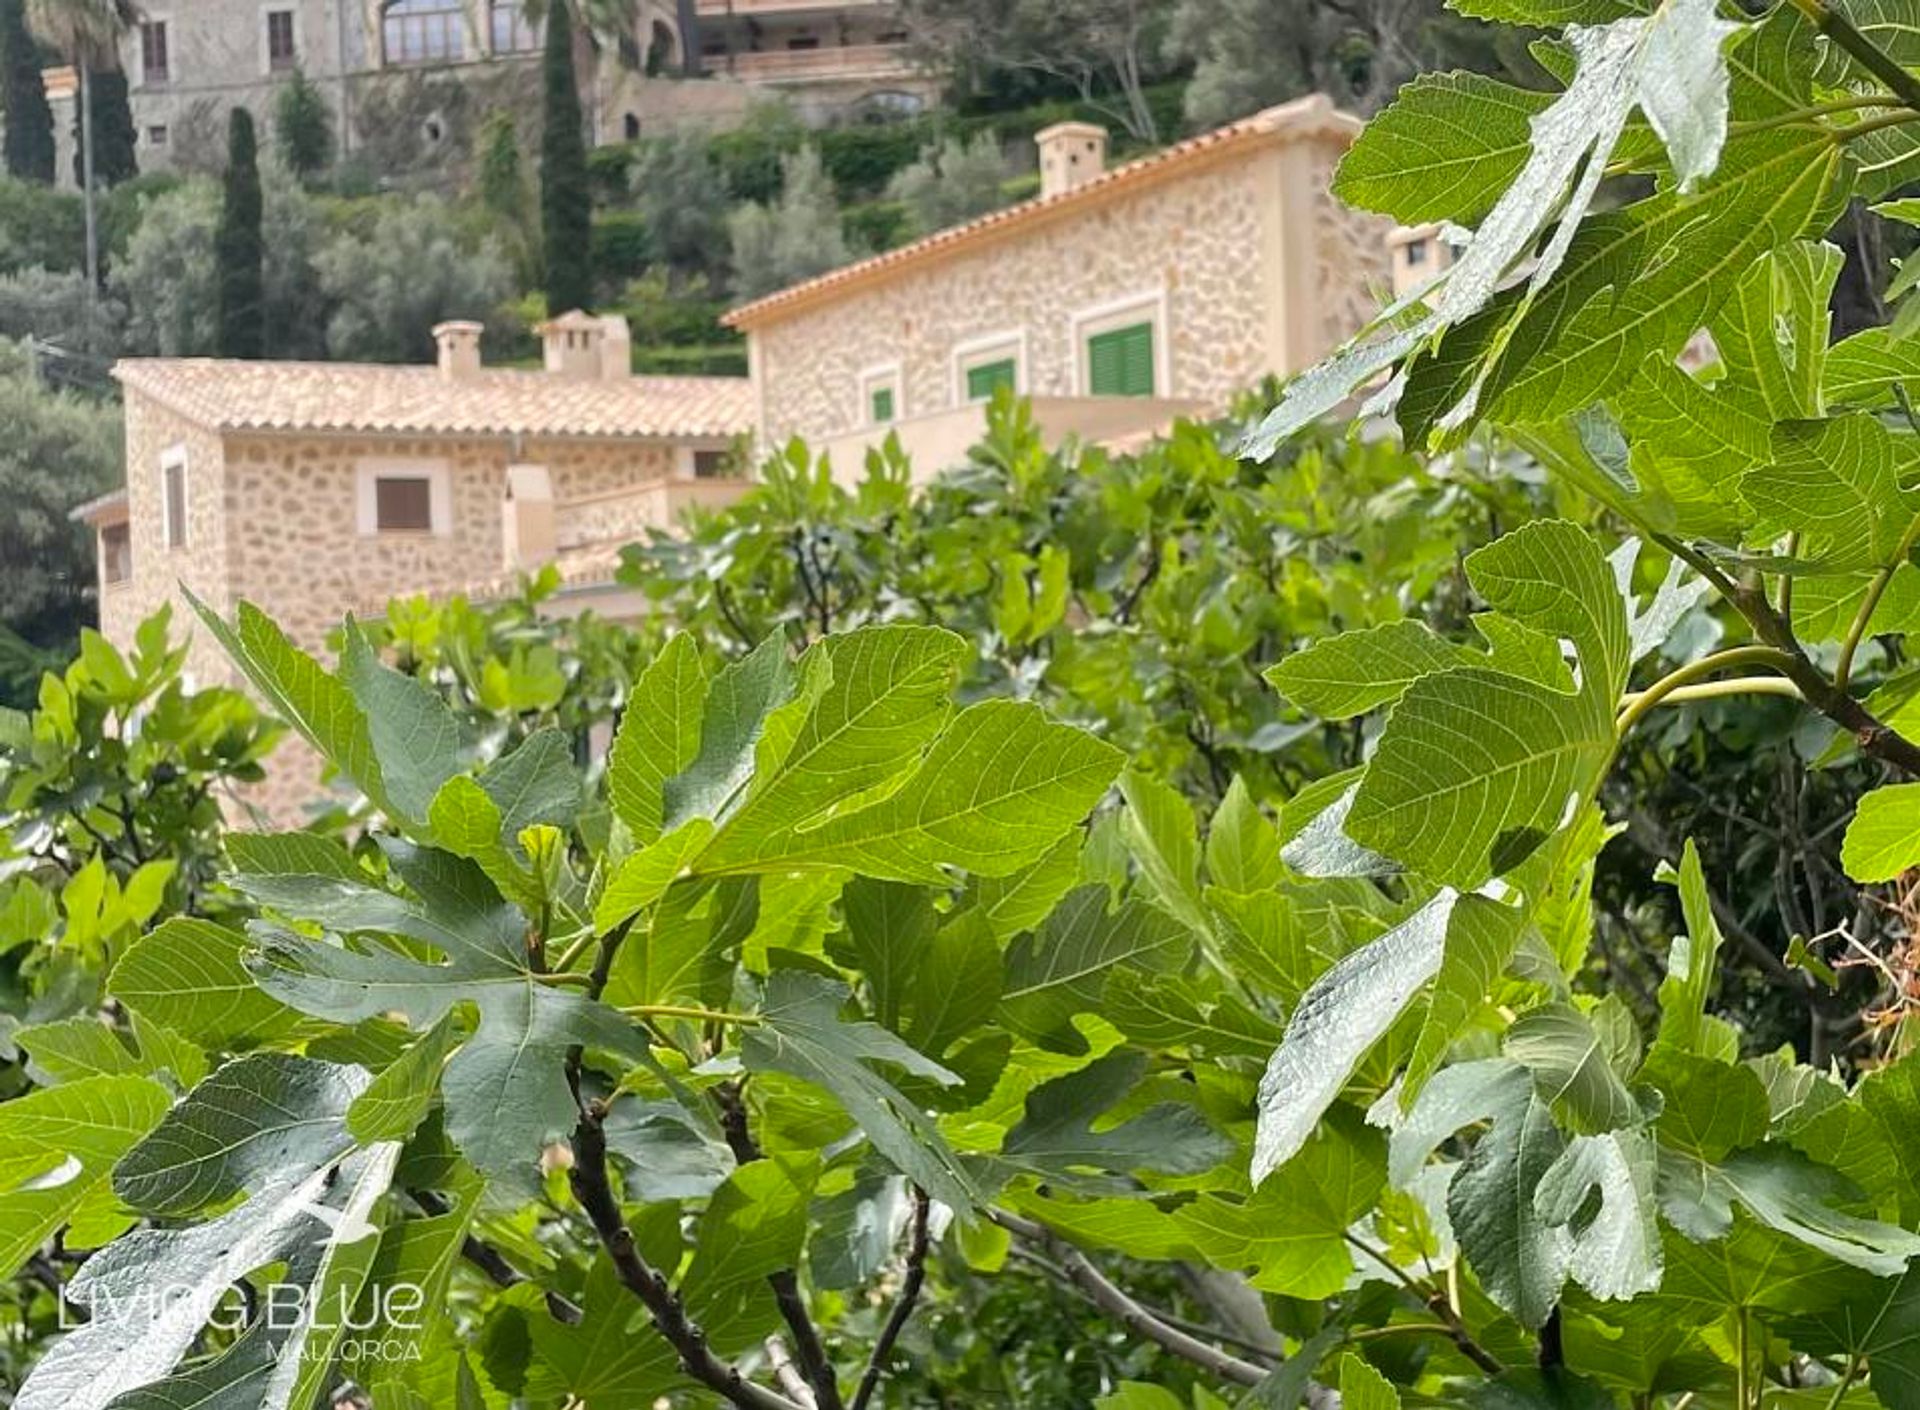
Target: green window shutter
1120,362
883,404
988,377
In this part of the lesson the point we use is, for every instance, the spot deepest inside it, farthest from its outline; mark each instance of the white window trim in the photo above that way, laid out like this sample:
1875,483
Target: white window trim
1149,306
162,17
439,496
989,347
266,48
874,378
170,458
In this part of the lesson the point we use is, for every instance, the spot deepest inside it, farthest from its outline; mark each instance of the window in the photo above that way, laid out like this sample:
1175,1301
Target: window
403,497
986,378
1120,362
512,32
880,395
1416,252
804,41
423,31
157,135
173,498
403,504
711,465
116,552
153,51
280,46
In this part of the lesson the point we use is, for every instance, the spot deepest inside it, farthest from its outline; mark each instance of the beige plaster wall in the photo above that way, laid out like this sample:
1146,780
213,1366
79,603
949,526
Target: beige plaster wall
1260,272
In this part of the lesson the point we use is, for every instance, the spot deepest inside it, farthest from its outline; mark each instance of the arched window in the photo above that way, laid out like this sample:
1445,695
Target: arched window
512,31
423,31
663,49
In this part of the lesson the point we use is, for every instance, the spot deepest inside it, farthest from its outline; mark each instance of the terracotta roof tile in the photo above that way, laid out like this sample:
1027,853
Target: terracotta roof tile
1311,116
361,397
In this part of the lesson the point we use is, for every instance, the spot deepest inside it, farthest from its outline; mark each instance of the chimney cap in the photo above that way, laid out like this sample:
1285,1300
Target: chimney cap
573,318
1070,129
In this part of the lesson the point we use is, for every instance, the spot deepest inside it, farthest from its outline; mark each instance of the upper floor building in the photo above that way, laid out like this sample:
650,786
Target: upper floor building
316,489
410,81
1118,299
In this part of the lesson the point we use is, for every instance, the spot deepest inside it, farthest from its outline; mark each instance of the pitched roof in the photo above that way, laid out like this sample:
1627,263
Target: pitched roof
360,397
1312,116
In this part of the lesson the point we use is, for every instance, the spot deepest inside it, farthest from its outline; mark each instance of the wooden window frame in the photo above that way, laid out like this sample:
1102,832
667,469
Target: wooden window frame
1145,306
985,351
881,377
370,473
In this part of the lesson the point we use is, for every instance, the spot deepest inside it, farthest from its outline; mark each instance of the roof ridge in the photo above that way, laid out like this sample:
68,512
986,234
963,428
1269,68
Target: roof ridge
1308,116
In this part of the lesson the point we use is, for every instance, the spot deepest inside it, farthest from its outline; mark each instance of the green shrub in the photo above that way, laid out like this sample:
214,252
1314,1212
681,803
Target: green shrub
40,228
877,225
622,245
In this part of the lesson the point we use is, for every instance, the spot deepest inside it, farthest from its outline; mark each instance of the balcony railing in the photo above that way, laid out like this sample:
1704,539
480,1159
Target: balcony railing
802,65
622,515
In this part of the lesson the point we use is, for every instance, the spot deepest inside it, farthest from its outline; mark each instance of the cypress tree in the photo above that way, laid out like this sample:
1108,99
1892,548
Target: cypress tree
114,159
566,207
239,249
29,141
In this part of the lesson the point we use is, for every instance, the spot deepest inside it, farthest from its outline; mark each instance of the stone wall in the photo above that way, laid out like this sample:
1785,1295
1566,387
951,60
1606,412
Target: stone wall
1221,247
157,571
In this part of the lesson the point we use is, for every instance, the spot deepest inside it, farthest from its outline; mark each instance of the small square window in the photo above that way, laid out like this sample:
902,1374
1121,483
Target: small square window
710,465
1416,252
403,504
157,135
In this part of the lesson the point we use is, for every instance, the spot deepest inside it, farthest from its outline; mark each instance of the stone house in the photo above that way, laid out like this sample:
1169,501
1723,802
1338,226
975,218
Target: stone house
315,489
1116,300
410,81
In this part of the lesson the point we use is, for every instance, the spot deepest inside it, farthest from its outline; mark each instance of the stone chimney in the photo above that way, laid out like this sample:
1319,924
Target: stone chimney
459,344
616,348
529,534
573,345
1071,155
1417,253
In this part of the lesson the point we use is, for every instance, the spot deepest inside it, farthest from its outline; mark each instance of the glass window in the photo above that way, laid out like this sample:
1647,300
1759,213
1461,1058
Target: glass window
403,504
1416,252
986,378
1120,363
512,31
711,465
423,31
153,51
280,46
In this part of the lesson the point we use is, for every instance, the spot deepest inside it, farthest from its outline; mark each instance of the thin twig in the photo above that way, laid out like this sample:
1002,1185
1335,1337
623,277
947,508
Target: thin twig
918,1243
785,1282
788,1374
493,1263
1116,1303
594,1190
1440,1304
